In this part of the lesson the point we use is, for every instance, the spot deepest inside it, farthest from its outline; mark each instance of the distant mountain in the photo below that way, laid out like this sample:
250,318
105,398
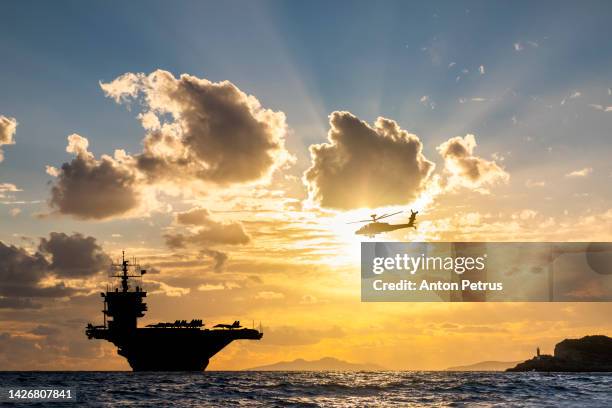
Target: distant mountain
324,364
485,366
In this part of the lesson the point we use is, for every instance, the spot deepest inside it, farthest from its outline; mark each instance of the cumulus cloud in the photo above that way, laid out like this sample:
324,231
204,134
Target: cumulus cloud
467,170
74,256
211,131
25,275
196,131
8,126
21,274
89,188
366,166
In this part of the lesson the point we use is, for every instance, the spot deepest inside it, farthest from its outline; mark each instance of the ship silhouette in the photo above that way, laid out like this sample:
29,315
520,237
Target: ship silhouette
177,346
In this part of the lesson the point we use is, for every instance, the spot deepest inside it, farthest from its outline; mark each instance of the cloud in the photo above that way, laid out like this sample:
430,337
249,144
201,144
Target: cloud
74,256
199,231
21,275
211,286
580,173
89,188
207,232
601,107
426,101
467,170
8,127
366,166
210,131
196,131
573,95
8,188
534,183
25,275
475,99
269,295
194,216
157,287
518,46
52,171
218,257
18,303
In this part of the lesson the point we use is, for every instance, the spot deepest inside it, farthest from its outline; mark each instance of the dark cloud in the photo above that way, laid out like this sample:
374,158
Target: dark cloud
94,189
8,126
41,330
215,132
467,170
18,303
219,258
54,349
194,216
23,274
365,166
74,256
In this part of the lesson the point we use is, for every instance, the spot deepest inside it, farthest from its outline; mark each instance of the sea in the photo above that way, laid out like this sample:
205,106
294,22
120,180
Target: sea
316,389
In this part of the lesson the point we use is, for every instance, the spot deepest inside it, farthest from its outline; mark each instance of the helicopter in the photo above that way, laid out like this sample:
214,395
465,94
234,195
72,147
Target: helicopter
374,227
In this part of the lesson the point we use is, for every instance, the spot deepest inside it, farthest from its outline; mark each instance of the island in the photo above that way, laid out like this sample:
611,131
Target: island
588,354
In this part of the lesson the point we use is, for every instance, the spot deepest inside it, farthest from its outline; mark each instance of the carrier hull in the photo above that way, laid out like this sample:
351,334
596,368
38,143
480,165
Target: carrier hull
181,349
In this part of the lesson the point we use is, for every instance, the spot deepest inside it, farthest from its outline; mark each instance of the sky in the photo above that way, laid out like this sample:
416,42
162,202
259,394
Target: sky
227,144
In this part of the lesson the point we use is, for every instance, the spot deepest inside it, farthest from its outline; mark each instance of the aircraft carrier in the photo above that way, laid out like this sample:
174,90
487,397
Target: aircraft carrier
173,346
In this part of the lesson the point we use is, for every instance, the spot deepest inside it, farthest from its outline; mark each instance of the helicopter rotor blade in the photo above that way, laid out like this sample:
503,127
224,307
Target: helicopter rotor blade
356,222
388,215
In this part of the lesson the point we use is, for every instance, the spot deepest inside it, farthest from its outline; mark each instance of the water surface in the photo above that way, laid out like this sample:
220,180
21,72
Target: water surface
325,389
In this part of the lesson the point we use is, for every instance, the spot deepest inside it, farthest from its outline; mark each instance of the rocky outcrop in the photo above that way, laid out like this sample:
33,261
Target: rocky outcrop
590,353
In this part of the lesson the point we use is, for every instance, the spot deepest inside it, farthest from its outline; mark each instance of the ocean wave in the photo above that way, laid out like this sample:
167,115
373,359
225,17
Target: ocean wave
325,389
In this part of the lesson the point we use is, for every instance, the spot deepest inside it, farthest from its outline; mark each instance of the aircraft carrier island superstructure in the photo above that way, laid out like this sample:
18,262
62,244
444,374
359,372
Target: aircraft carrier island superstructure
177,346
